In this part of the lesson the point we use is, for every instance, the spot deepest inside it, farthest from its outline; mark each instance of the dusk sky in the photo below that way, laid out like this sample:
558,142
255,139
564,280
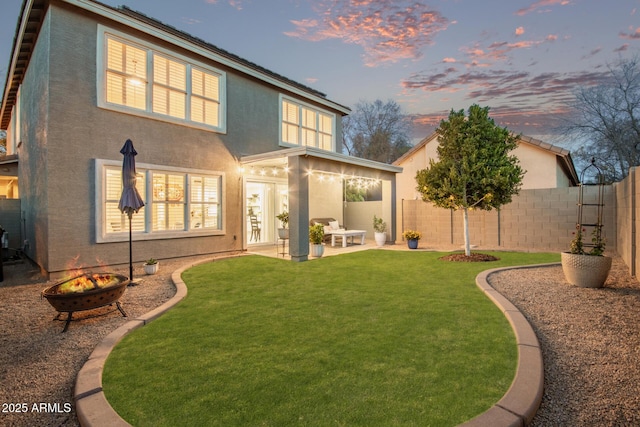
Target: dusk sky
522,58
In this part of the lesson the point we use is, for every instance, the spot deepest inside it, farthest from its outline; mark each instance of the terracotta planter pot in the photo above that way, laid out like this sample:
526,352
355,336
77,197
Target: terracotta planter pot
586,271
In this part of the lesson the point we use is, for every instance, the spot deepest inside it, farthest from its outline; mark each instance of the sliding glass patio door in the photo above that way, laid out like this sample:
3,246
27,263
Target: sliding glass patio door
264,200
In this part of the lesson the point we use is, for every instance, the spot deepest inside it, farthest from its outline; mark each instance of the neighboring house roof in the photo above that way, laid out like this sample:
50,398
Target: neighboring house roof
33,12
563,155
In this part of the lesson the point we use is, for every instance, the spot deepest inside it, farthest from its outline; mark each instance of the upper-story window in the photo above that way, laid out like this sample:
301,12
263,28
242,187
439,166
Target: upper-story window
146,80
305,125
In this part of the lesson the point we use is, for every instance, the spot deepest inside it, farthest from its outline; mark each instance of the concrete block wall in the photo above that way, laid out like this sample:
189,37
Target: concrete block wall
626,217
537,220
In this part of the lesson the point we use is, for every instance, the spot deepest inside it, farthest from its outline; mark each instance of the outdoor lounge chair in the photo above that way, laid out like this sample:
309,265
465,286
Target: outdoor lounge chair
329,225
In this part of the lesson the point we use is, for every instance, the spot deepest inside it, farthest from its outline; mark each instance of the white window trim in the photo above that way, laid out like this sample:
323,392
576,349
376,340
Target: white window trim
299,103
101,80
100,196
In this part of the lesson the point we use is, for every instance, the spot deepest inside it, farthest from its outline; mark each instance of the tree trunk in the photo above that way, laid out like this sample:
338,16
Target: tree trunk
467,245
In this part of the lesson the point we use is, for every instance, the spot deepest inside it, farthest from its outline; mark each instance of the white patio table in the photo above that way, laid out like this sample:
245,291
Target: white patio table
345,234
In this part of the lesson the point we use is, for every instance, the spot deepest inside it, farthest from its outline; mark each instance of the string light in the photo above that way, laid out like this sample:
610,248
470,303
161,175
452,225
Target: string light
353,181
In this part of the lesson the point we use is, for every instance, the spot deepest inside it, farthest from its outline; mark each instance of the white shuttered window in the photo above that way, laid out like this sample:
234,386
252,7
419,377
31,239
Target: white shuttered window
154,82
306,125
179,202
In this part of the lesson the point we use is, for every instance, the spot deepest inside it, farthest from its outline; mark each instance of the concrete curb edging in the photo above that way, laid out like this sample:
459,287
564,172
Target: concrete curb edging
92,407
519,405
516,408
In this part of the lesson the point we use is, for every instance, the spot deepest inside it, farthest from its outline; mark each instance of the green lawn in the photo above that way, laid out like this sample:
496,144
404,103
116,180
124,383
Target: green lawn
373,338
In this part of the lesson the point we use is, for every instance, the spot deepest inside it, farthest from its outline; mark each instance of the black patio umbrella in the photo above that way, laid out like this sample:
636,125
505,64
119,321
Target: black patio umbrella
130,200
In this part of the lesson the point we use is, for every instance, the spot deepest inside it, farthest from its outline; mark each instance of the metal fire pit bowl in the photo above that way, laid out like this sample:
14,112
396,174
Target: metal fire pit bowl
86,300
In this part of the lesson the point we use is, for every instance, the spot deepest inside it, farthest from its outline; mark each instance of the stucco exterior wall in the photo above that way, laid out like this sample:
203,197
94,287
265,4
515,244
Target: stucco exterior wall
540,166
326,200
33,149
78,132
65,132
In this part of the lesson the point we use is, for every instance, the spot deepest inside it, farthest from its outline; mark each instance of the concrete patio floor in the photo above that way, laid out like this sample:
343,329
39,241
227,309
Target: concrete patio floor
275,251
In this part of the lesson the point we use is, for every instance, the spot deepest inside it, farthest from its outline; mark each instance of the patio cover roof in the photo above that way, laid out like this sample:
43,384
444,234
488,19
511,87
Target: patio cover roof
281,157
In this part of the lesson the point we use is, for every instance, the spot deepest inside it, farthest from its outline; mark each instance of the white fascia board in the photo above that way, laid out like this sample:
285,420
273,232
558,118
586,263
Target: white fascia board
15,53
321,154
152,31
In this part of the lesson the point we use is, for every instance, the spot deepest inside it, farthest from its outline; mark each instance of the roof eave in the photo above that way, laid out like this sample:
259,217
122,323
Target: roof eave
321,154
28,23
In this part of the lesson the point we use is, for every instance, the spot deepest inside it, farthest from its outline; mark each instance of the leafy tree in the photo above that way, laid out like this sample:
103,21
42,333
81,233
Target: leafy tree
474,169
608,117
376,131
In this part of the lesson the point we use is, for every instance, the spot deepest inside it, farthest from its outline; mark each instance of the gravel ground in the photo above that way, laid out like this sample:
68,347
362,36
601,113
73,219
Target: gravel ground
39,363
589,338
590,344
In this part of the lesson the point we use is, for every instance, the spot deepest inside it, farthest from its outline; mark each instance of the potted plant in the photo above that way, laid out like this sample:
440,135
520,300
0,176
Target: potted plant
412,237
316,235
283,233
587,269
151,266
380,230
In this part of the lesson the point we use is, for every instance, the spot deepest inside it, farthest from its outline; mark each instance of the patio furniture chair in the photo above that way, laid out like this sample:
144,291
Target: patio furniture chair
255,228
329,225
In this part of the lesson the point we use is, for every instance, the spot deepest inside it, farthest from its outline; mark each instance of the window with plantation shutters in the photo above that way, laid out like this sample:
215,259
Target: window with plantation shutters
205,97
126,75
168,202
169,87
115,220
140,79
177,203
325,131
290,122
307,126
204,205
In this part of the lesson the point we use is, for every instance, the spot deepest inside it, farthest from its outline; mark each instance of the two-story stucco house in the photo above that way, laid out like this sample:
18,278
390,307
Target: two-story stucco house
220,141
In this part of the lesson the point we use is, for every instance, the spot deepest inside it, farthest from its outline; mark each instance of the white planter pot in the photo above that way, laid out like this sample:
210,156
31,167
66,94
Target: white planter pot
151,268
316,250
586,271
380,238
283,233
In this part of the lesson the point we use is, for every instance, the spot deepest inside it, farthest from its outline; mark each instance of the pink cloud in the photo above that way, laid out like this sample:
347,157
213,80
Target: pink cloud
449,60
523,101
504,86
519,31
542,3
387,30
631,35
